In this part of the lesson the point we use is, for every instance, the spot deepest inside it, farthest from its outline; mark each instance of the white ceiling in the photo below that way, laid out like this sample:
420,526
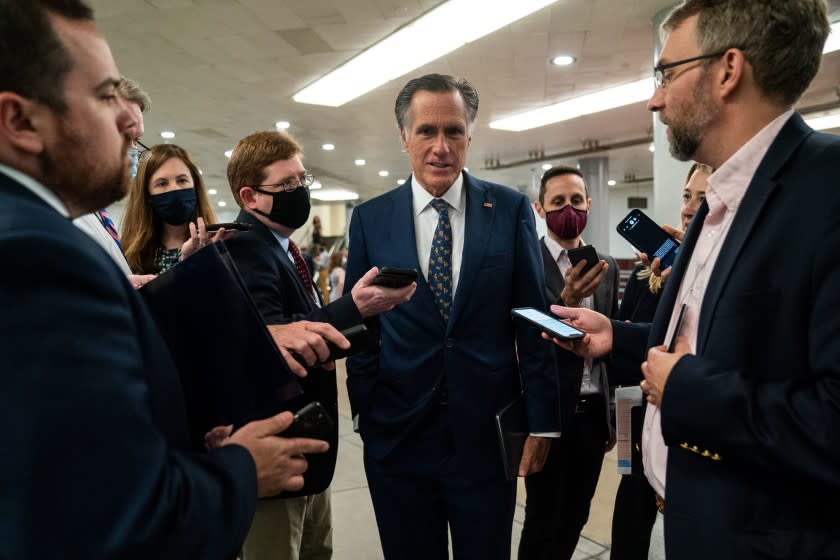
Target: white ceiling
218,70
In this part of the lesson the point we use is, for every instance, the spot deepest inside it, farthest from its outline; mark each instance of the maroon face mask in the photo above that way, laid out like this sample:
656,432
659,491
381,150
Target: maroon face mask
566,223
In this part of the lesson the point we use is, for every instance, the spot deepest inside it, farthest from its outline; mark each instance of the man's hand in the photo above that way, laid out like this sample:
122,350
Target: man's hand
280,461
658,368
137,281
599,337
578,287
373,300
308,340
534,455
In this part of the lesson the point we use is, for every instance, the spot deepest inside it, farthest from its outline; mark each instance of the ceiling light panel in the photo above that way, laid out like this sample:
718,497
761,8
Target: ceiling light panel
833,42
452,25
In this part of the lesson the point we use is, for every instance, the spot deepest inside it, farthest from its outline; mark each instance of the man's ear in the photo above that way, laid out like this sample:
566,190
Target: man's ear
734,72
248,196
403,140
540,210
20,122
588,204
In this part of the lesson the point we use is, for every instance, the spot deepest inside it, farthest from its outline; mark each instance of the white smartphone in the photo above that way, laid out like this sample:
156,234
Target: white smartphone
548,323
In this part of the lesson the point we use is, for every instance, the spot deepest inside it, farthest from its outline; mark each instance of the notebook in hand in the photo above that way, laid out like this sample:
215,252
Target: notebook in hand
512,427
231,370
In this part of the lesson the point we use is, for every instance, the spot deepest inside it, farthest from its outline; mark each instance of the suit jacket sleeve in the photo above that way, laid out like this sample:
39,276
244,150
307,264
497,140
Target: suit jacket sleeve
87,470
537,364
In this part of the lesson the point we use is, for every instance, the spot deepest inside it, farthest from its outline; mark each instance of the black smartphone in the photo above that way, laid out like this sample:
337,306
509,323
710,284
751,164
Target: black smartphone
646,236
359,342
393,277
230,226
587,253
311,421
548,323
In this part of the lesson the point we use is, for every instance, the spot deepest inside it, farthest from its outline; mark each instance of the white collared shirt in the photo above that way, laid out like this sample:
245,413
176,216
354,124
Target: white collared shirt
37,189
426,220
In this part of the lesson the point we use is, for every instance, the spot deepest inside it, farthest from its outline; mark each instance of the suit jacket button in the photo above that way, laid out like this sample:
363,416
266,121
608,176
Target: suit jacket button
706,453
449,343
695,449
716,457
684,445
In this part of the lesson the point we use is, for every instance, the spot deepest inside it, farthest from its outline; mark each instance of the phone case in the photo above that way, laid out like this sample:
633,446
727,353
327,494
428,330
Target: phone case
311,421
588,253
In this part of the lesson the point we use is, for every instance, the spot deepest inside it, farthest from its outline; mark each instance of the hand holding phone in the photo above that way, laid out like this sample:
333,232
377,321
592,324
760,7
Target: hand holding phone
311,421
393,277
359,339
587,253
646,235
548,324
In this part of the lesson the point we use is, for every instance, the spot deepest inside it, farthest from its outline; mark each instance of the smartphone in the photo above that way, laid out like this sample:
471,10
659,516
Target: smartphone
392,277
311,421
359,342
646,236
587,253
548,323
230,226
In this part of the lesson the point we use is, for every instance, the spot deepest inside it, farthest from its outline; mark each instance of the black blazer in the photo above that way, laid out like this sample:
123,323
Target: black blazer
752,421
95,460
570,366
272,280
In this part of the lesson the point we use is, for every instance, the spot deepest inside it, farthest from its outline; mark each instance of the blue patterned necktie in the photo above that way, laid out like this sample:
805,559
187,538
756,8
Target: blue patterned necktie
440,259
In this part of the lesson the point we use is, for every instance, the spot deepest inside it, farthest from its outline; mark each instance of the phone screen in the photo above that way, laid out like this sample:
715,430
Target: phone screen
549,323
647,236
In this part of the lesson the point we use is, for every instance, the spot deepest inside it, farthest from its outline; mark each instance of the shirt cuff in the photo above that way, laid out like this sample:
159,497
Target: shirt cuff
545,434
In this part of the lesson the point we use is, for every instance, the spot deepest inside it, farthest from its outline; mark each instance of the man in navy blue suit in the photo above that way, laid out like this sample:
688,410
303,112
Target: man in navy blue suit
426,401
741,437
96,459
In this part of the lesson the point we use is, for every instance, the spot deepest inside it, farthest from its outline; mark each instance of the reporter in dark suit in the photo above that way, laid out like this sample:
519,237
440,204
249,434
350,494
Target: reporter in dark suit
747,405
95,458
447,362
558,497
269,182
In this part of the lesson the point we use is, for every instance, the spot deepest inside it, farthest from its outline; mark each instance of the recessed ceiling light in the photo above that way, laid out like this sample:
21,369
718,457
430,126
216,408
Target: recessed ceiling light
222,203
401,182
282,125
383,173
329,147
546,166
611,182
562,60
452,24
228,153
833,42
360,162
333,195
168,134
652,148
211,191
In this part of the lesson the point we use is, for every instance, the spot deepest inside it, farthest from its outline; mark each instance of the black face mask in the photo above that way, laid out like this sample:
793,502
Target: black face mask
288,208
174,207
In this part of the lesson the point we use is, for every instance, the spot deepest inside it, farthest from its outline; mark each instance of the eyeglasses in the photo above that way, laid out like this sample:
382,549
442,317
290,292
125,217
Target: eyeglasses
143,151
661,80
292,184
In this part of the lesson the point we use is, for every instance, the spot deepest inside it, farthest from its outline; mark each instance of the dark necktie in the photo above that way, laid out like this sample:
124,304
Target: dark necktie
440,259
109,226
302,270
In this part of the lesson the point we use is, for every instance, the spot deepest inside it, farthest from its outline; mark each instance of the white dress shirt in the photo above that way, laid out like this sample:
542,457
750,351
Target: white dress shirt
37,189
90,224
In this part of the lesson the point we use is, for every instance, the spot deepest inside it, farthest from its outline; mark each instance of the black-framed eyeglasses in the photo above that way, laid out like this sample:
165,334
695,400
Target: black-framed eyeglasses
292,184
661,80
143,151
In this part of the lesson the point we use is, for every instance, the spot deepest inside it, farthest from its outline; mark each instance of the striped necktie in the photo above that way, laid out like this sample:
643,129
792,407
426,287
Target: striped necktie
302,270
109,226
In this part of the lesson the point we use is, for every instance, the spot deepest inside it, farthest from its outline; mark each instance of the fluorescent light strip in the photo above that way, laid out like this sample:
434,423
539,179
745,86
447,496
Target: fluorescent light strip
826,122
333,195
833,42
429,37
577,107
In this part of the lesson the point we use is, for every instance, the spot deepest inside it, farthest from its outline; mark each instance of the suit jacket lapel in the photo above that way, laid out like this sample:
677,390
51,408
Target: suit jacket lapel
554,281
478,223
793,133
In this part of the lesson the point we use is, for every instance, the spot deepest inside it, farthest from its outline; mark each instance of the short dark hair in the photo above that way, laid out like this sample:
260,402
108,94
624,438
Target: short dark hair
438,83
33,60
556,171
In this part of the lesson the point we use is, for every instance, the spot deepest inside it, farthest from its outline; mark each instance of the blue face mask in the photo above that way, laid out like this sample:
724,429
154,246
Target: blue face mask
134,156
174,207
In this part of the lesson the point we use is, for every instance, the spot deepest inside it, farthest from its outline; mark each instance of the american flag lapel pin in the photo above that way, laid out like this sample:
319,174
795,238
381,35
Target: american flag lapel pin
488,205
